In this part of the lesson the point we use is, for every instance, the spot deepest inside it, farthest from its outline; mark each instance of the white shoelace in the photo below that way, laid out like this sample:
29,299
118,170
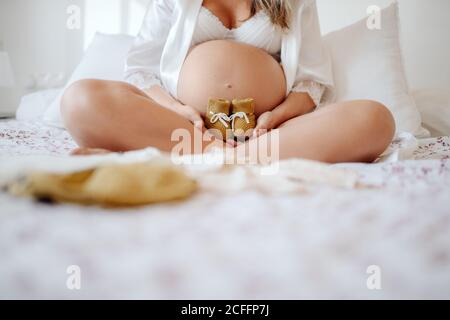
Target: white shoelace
241,115
222,117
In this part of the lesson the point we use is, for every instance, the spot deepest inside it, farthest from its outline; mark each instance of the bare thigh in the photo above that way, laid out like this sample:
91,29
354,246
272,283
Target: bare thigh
354,131
118,117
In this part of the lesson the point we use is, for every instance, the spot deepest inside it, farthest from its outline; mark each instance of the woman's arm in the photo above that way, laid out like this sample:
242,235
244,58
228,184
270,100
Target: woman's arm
163,98
143,62
295,105
142,66
314,72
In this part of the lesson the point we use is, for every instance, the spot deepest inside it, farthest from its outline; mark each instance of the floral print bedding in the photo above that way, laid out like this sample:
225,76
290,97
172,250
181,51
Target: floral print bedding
388,241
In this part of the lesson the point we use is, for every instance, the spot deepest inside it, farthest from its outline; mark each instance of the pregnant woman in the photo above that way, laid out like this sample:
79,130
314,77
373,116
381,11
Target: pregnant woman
191,50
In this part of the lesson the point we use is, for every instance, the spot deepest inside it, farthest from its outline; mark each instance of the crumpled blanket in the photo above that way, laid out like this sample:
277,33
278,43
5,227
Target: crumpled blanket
289,176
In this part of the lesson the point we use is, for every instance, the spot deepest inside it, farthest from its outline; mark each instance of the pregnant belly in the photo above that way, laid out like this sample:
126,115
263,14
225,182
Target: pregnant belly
230,70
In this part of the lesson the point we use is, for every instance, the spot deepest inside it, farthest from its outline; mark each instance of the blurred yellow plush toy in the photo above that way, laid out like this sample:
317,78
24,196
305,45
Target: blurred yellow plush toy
110,185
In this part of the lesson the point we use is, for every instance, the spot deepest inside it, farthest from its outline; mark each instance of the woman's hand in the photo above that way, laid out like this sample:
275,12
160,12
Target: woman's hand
295,105
265,123
190,114
162,97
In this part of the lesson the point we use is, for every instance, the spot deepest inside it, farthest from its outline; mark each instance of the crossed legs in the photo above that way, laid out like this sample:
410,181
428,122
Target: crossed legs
119,117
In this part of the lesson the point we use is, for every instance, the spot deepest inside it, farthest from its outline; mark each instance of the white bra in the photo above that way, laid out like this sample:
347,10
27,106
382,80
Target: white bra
258,31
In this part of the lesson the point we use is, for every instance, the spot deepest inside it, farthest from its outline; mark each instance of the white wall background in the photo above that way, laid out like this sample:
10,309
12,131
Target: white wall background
34,33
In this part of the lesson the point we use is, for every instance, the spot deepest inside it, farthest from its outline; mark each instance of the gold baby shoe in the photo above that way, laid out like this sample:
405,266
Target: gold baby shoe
243,118
217,117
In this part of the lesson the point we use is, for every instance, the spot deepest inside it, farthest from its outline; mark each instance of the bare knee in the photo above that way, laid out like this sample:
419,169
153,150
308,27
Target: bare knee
379,120
81,99
376,126
83,108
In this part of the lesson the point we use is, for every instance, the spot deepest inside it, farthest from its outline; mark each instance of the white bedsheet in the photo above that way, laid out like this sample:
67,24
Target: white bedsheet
316,242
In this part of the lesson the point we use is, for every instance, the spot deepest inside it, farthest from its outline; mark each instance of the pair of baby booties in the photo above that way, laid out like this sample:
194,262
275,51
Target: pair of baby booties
231,119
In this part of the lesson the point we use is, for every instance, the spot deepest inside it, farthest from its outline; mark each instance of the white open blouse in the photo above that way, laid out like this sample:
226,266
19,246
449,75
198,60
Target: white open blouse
172,27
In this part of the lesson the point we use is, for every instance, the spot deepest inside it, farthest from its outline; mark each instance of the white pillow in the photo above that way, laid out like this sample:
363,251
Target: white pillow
32,106
104,59
368,64
434,106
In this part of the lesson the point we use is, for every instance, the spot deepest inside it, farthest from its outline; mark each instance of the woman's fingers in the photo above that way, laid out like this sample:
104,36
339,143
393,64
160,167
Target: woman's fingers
231,143
263,125
192,115
197,120
264,121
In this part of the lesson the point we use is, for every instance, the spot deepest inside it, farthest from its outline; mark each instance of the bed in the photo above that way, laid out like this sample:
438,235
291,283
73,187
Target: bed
319,243
385,236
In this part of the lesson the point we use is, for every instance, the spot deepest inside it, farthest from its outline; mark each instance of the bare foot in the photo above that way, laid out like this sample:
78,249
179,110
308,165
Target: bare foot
88,152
